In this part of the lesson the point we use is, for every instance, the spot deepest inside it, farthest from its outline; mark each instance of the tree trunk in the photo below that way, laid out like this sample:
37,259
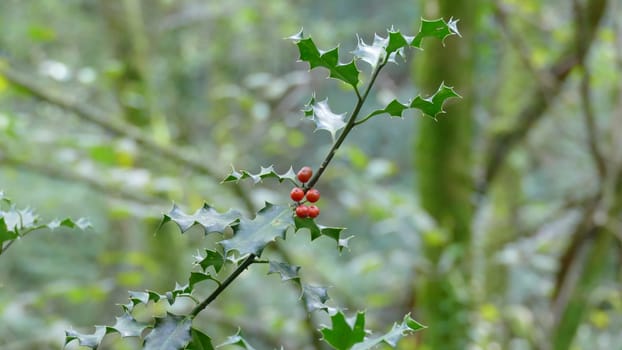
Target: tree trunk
443,166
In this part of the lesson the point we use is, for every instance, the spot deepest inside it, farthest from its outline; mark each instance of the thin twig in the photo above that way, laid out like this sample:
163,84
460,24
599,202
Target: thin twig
118,127
502,144
73,177
245,264
349,126
543,77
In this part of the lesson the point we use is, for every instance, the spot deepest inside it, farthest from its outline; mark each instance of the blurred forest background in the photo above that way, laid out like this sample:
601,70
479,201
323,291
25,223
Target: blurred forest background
498,226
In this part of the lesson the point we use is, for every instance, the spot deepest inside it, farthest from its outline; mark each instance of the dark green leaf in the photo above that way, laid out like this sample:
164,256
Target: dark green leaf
391,338
89,340
264,173
431,106
5,233
169,333
200,341
196,277
345,333
346,72
251,236
436,28
127,326
207,217
211,258
319,230
237,339
286,271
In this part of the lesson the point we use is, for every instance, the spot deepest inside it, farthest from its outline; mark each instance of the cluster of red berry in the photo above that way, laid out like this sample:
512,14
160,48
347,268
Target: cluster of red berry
298,194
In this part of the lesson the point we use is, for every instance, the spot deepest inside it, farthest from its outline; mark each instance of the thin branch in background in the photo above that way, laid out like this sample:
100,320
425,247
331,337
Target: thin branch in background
117,127
541,76
586,99
72,177
503,143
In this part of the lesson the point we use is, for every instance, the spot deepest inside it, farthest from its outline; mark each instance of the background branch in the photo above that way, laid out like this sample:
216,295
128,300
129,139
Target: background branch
503,143
115,126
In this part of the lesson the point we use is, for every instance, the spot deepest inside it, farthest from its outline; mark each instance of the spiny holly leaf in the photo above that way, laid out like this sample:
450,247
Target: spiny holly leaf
373,54
324,118
237,339
209,218
319,230
211,258
431,106
127,326
346,72
81,223
396,333
196,277
287,271
252,236
200,341
264,173
436,28
345,333
315,298
382,50
89,340
15,223
171,332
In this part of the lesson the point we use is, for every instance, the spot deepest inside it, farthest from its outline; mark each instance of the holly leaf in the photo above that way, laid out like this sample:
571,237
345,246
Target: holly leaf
209,218
252,236
264,173
200,341
324,118
383,49
346,72
287,271
237,339
89,340
171,332
432,105
196,277
315,298
319,230
81,223
15,223
345,333
211,259
127,326
435,28
391,338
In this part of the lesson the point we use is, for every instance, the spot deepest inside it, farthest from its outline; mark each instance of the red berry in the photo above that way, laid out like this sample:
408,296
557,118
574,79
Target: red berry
313,211
305,174
313,195
297,194
302,211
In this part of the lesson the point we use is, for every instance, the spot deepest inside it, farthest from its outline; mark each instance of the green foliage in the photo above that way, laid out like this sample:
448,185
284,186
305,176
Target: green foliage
169,332
252,236
264,173
346,72
17,223
431,106
248,237
345,333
